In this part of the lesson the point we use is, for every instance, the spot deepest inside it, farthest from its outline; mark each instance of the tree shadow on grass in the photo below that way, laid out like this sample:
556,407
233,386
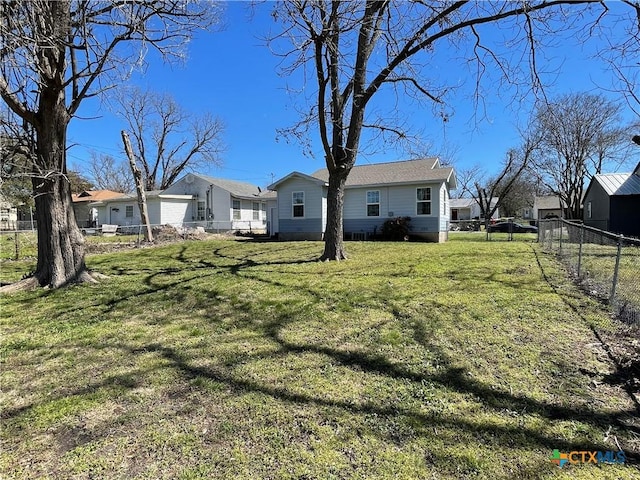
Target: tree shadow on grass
452,378
622,375
449,376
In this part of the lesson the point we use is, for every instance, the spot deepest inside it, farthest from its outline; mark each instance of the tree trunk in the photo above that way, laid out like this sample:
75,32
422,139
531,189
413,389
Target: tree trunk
137,176
334,233
60,241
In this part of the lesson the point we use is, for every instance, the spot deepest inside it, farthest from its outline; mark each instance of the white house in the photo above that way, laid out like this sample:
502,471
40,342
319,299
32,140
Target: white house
86,214
224,204
8,215
548,206
469,209
124,211
373,193
195,200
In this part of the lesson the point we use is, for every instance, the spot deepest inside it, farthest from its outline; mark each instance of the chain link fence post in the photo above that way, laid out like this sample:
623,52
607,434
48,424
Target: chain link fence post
606,266
616,271
580,250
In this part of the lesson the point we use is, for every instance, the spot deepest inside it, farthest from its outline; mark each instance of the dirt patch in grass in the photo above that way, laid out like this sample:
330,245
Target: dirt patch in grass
623,344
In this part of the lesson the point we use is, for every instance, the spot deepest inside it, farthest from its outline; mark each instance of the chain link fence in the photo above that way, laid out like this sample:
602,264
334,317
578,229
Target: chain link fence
606,265
23,244
18,245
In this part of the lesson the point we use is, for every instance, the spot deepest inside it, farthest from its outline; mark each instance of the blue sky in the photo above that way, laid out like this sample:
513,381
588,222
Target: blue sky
232,74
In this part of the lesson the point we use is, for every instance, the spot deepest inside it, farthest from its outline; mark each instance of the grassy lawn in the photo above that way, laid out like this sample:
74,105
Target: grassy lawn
236,359
27,244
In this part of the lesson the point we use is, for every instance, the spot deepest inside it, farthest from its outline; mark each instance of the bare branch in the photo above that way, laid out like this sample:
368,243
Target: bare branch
166,139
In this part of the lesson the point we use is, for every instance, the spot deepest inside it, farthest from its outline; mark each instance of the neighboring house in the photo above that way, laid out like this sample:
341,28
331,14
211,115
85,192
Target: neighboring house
87,215
547,207
469,209
612,202
8,215
373,193
162,209
194,200
225,204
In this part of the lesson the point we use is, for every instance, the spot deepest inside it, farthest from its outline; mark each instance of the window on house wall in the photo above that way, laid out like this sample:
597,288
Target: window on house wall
373,203
236,209
256,210
298,204
423,196
128,211
201,207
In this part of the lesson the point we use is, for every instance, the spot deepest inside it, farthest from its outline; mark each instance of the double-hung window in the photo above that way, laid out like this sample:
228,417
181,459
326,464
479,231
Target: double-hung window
236,209
297,199
423,199
373,203
128,211
256,210
200,210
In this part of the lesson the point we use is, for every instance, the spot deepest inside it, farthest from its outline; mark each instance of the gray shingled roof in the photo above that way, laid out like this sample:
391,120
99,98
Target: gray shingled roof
237,189
619,183
409,171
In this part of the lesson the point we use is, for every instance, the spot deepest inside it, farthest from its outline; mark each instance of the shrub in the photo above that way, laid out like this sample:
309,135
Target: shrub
396,229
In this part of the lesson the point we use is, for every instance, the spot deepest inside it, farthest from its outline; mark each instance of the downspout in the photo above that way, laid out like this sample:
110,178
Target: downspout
211,216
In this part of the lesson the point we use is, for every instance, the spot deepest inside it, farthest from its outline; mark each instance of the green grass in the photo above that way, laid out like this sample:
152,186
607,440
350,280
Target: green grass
229,359
597,265
27,244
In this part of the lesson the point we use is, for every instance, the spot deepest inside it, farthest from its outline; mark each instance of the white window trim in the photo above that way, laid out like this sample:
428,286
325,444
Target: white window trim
255,212
293,205
430,201
126,208
374,203
200,213
233,210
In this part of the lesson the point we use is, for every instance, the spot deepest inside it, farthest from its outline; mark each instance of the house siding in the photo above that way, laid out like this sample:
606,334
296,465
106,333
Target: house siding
363,225
174,212
312,225
222,211
444,208
397,198
119,217
600,206
314,202
403,201
625,215
303,229
395,201
355,203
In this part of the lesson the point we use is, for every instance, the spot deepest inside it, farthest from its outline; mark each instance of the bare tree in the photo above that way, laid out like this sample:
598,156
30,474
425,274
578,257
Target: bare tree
17,150
53,56
465,180
619,48
108,173
579,134
137,176
521,194
167,139
355,49
502,184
